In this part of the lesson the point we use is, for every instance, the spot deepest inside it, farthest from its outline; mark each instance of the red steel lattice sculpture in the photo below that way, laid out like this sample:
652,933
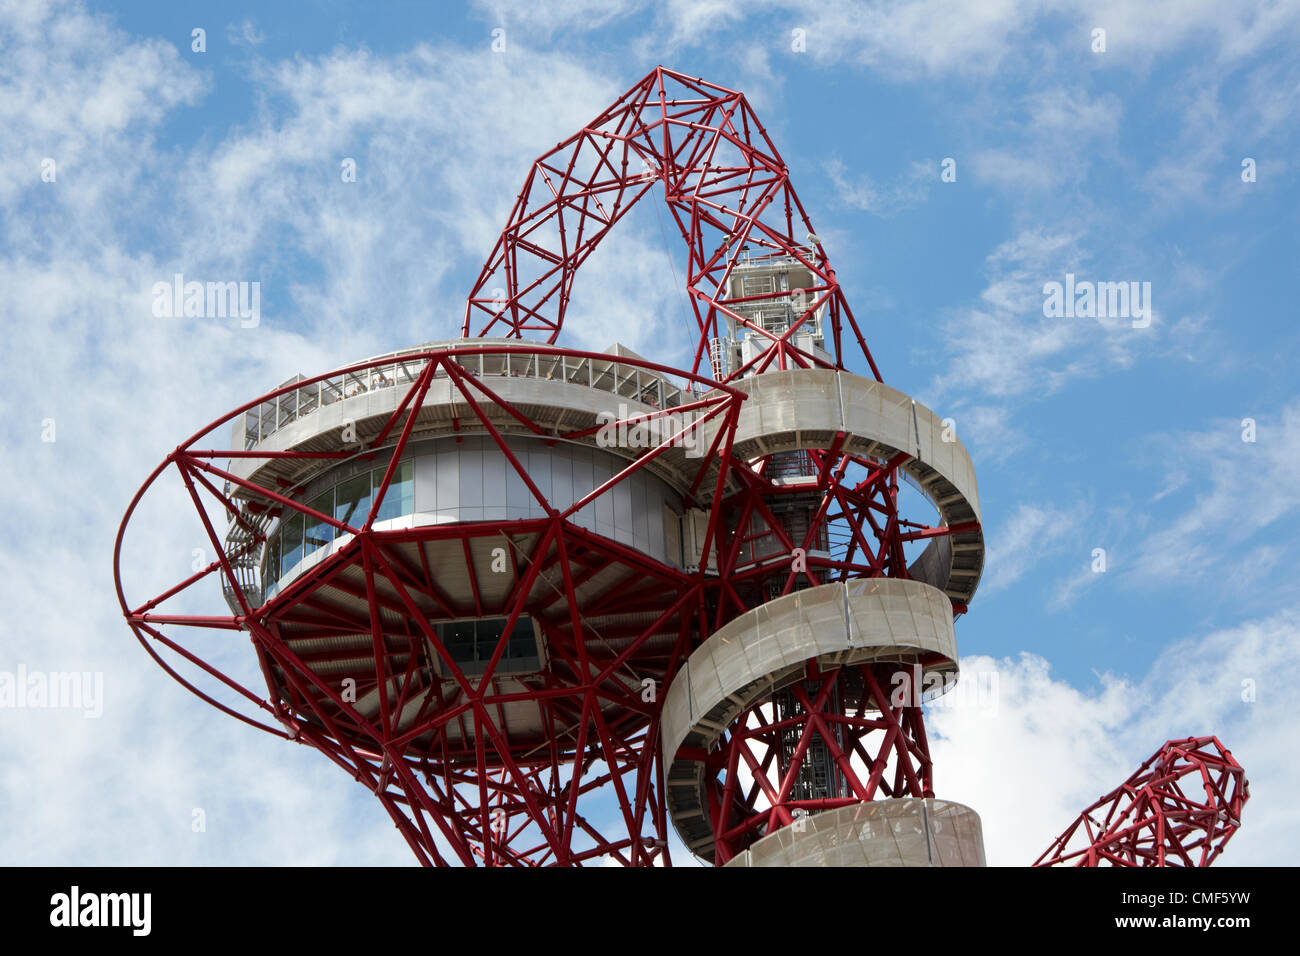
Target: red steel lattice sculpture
1179,809
538,644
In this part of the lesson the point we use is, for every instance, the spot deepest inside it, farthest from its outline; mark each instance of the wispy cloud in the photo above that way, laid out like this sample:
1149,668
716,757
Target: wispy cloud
905,191
1005,346
245,33
1243,488
1031,534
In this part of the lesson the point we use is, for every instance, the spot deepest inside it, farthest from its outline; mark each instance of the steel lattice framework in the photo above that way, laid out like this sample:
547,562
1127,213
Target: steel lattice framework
349,648
758,787
726,187
1178,809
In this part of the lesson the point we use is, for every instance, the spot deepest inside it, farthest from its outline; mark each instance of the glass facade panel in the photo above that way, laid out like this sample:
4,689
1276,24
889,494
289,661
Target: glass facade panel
349,503
471,644
352,500
271,572
523,646
318,533
456,485
458,638
400,498
290,542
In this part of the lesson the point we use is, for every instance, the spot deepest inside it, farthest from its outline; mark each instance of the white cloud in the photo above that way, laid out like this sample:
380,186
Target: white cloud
1047,750
986,430
909,39
90,124
245,33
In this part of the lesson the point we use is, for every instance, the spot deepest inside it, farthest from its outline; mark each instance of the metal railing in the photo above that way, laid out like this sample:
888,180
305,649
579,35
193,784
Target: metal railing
392,371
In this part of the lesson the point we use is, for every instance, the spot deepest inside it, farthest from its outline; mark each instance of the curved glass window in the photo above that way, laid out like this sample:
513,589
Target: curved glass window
400,498
352,500
349,502
290,542
317,534
272,554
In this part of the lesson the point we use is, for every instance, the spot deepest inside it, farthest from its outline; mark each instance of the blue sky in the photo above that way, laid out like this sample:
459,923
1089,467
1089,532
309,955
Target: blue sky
1122,165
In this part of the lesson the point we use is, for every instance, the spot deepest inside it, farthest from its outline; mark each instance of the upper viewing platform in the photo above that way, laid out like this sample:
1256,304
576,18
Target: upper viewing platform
399,370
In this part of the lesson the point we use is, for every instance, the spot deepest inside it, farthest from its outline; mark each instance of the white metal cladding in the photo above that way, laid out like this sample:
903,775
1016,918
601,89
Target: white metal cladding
472,480
908,831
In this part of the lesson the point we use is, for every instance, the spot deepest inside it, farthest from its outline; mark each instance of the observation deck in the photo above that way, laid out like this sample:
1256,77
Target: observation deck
490,578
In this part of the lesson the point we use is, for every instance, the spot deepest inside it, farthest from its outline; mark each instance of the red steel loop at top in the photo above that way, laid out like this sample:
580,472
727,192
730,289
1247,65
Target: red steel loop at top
728,191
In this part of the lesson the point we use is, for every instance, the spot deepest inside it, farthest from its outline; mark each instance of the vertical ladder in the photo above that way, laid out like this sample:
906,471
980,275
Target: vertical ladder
720,356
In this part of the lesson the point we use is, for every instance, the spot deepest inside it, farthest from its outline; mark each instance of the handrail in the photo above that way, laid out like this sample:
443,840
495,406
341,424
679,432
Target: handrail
543,361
